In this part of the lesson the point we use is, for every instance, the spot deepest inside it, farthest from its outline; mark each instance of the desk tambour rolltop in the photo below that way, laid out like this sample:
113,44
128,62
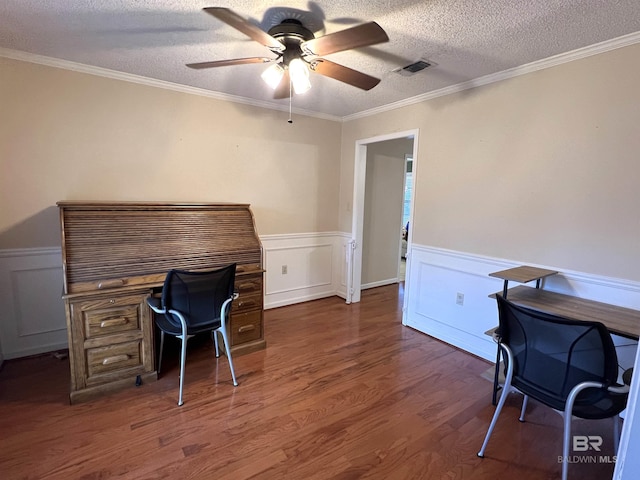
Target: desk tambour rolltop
115,254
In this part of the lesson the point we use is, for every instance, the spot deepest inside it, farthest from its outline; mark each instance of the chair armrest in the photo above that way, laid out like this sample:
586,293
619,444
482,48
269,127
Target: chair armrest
622,389
154,303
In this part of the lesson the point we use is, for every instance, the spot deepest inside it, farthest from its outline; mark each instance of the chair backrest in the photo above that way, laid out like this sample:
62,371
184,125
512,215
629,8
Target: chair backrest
199,296
553,354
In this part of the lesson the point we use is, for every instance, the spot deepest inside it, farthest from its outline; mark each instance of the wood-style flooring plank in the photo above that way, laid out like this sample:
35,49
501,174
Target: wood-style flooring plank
341,392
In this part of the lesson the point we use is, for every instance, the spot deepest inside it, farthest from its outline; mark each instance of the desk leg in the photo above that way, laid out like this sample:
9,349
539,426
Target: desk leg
496,374
496,378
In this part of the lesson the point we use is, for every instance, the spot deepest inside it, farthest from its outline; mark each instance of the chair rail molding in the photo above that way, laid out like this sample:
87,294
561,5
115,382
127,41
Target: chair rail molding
33,319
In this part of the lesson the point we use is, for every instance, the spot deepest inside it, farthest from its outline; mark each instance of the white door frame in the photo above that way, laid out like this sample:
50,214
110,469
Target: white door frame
354,277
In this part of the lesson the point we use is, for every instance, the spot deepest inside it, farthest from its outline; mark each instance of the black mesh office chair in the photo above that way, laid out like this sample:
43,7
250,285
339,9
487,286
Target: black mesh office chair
192,303
570,366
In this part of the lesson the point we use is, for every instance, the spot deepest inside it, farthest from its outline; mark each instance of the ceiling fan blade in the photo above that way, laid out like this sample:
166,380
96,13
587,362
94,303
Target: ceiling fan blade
360,36
344,74
284,87
249,29
225,63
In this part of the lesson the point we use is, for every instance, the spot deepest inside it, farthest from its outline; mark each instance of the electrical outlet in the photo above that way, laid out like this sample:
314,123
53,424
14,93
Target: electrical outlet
460,298
284,269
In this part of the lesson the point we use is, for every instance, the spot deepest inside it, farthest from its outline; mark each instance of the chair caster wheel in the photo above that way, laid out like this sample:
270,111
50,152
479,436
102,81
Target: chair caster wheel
138,381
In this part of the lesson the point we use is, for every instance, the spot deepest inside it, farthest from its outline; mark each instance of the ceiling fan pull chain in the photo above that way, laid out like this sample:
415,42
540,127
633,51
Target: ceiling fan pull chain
290,97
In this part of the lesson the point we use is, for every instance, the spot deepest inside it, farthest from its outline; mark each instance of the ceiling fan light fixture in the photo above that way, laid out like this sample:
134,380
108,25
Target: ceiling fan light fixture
298,51
273,75
299,73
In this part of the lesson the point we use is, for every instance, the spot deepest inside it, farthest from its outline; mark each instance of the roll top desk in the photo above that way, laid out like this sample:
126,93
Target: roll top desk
116,254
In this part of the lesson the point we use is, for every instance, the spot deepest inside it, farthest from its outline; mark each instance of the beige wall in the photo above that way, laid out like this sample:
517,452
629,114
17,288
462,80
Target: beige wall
72,136
543,168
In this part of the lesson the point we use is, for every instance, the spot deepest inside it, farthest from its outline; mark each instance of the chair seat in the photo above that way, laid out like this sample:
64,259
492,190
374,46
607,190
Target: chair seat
171,328
590,404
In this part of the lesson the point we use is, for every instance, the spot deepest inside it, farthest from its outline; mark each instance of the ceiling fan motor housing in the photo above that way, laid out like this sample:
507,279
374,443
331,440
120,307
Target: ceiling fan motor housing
291,29
291,33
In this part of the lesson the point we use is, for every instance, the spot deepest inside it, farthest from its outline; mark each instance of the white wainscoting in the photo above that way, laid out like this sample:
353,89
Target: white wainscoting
438,275
315,267
32,318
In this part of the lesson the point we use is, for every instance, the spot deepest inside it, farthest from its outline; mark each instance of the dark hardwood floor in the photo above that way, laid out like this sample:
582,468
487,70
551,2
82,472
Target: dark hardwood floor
341,392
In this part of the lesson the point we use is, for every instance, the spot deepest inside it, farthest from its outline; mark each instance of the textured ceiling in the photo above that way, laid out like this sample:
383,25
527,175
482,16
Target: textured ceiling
466,39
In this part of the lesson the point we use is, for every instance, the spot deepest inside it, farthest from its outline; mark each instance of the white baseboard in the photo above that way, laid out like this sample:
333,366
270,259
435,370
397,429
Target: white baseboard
381,283
292,300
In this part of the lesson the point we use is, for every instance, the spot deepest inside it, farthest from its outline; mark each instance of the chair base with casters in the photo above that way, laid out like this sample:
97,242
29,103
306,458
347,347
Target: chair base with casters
549,353
194,314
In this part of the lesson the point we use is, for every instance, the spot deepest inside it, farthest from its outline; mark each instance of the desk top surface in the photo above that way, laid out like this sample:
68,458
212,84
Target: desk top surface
619,320
523,274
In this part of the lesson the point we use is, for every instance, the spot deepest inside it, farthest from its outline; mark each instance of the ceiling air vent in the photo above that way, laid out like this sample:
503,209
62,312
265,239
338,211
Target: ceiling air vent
414,68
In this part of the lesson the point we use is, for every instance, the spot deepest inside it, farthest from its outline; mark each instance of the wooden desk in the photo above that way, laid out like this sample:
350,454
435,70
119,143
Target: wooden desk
618,320
116,254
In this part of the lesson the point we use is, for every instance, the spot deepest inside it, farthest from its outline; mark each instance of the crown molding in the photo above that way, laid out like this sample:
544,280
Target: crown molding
602,47
128,77
556,60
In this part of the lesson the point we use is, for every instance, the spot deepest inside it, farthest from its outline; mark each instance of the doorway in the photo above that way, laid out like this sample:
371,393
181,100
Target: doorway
406,215
355,263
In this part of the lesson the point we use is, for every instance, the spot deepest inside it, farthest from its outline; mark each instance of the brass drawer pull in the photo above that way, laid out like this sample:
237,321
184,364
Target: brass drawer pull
246,328
115,322
247,286
247,303
115,359
111,283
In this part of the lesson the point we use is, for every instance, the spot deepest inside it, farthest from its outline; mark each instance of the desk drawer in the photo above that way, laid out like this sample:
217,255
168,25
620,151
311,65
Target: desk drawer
246,327
249,284
112,320
109,315
111,358
247,302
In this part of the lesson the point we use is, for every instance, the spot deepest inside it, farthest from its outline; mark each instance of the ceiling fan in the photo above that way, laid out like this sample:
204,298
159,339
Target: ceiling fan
298,51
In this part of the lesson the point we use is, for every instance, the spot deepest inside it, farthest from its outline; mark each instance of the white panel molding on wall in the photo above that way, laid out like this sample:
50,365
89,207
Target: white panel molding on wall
303,267
438,275
32,318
